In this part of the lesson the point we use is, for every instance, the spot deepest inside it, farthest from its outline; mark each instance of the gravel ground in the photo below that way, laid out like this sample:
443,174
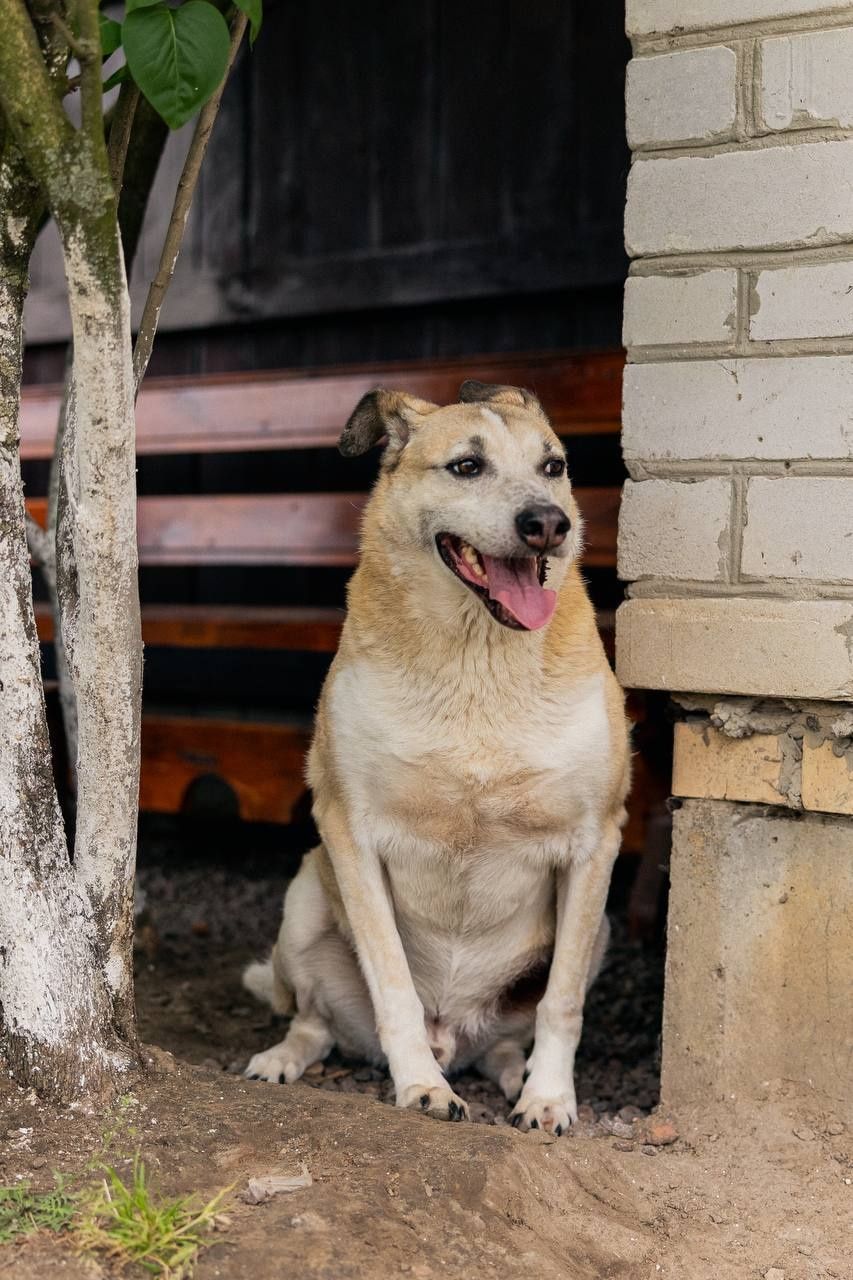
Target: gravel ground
200,924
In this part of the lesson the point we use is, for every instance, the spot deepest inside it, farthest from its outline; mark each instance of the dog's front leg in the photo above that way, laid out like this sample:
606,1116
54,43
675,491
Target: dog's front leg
547,1100
418,1080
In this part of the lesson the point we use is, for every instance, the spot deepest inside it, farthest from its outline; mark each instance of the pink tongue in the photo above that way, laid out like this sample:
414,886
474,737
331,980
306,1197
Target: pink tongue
515,585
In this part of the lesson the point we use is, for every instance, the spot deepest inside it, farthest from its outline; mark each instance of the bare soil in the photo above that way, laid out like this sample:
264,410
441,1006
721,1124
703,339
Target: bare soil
740,1192
395,1193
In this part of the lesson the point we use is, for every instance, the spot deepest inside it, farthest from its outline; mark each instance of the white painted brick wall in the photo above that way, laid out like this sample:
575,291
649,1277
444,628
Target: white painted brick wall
805,301
799,527
783,196
741,186
730,409
757,647
806,80
670,529
690,95
697,307
644,17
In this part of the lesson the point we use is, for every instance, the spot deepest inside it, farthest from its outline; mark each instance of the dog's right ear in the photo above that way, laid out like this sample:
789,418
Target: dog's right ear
383,416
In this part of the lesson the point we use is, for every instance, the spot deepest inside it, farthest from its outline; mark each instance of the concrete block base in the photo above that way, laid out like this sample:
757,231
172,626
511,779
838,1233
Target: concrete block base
759,982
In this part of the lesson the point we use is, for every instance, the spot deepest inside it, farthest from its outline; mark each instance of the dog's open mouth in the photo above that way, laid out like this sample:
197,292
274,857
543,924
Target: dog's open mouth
513,591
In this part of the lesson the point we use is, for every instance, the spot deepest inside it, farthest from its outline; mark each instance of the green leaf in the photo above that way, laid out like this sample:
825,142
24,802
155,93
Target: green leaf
130,5
177,56
110,35
254,11
117,77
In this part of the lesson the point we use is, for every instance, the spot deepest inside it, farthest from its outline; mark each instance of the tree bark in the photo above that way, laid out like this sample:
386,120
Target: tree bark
55,1010
102,628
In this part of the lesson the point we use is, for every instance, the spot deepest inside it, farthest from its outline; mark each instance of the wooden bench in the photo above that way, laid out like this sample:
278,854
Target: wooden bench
261,758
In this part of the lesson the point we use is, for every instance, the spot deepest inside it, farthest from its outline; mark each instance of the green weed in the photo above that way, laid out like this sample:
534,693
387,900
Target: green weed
122,1222
23,1211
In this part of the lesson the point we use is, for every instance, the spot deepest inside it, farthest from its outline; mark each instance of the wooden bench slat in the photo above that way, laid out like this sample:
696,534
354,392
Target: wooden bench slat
263,762
313,529
271,410
213,626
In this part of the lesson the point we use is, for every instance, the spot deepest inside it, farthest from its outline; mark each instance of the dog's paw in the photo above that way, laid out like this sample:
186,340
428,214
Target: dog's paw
438,1101
279,1065
553,1115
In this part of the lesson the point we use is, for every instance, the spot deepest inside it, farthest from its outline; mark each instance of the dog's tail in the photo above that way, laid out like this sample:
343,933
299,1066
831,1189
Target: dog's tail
267,985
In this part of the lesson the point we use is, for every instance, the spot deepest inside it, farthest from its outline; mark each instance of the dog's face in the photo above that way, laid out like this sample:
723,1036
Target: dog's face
476,492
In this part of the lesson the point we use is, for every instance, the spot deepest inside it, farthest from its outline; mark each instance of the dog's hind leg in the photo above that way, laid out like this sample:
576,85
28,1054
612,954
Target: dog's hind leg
313,959
504,1063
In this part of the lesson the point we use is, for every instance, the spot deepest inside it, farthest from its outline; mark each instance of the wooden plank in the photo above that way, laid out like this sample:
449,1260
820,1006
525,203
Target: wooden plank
272,410
297,529
215,626
263,762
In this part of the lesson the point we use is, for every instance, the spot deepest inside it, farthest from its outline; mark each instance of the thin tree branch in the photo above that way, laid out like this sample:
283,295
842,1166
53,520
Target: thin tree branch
180,212
79,48
125,114
91,90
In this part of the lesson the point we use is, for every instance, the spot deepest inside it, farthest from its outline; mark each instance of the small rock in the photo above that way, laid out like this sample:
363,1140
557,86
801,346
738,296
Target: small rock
622,1145
161,1059
660,1133
775,1273
805,1135
264,1188
620,1129
835,1128
627,1114
649,1151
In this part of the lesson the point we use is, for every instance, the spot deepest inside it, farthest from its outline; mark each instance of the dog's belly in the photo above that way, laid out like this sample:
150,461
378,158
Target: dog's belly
470,927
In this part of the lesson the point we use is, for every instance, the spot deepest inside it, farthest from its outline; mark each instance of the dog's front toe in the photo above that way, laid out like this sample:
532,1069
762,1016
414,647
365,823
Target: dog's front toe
552,1115
275,1066
439,1101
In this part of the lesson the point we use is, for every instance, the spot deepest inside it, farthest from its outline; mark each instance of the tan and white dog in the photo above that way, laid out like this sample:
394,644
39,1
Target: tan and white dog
469,769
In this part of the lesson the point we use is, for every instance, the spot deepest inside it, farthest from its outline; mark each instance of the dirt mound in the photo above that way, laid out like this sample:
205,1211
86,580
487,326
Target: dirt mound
395,1193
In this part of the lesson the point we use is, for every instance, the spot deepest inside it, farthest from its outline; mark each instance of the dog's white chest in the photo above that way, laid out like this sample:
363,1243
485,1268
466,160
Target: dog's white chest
484,783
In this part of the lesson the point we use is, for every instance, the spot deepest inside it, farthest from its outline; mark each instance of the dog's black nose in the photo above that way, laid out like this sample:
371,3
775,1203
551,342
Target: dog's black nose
543,527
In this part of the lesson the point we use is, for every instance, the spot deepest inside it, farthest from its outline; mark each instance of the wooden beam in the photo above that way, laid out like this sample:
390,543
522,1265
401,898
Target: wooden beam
297,529
256,411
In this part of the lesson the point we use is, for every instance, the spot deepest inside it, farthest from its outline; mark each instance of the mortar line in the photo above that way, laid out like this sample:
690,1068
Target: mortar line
737,520
786,590
756,142
648,43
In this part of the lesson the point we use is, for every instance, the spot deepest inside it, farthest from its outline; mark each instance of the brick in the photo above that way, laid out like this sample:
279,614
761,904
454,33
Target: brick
799,527
761,647
827,780
644,17
709,764
663,310
689,96
754,408
672,529
784,196
759,962
805,79
803,302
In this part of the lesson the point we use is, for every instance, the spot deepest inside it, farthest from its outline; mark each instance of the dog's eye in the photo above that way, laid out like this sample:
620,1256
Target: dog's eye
554,467
465,467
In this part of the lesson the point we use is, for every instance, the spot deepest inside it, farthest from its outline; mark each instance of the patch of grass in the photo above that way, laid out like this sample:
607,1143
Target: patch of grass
23,1211
122,1222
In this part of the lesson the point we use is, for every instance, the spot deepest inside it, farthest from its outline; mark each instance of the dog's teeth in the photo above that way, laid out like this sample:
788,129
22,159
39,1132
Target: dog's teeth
478,569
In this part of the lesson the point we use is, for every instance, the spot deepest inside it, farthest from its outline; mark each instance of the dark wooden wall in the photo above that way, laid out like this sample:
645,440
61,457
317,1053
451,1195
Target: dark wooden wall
398,180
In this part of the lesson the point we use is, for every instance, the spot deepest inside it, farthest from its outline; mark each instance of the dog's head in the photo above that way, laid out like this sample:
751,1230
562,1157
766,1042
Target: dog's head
474,496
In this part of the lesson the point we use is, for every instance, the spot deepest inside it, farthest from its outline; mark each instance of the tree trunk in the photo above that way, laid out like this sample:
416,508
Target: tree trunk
56,1028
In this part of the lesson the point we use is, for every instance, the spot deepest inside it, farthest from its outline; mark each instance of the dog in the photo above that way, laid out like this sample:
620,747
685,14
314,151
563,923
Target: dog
469,769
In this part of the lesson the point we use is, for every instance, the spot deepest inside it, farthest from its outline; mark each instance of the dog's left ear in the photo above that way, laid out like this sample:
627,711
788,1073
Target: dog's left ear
391,416
473,392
